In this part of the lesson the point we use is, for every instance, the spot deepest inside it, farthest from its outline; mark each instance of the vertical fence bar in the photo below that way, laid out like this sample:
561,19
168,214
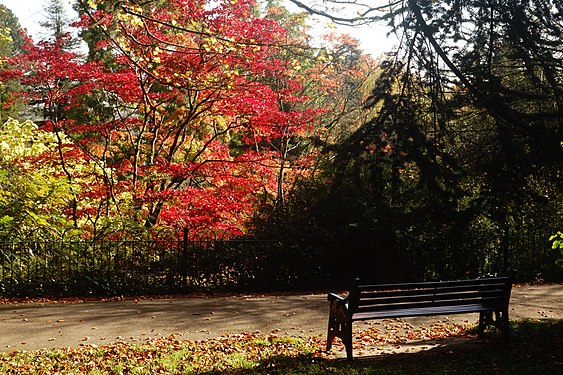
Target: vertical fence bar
2,263
184,258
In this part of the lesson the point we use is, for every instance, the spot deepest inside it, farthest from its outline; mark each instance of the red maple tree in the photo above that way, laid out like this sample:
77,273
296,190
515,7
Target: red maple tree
175,125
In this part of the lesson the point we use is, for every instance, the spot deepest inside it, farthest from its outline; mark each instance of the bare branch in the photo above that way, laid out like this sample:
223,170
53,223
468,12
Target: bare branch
365,13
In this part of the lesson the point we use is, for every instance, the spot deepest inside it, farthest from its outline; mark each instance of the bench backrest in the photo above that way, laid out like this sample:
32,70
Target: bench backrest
492,291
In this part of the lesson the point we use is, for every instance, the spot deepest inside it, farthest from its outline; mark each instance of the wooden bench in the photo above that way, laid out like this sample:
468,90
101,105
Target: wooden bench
487,296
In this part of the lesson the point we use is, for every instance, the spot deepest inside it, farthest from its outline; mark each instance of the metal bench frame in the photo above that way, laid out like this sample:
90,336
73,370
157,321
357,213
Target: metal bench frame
487,296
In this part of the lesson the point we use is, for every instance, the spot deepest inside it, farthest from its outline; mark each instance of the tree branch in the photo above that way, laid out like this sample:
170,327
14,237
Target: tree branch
362,18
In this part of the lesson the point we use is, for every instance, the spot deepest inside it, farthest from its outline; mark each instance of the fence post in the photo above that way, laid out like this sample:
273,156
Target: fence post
184,258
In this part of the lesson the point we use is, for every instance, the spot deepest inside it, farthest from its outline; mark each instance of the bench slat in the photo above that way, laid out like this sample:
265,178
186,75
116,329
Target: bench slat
428,296
422,311
376,290
434,284
489,302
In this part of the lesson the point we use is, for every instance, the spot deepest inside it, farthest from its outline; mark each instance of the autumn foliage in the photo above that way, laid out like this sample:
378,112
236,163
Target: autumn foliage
182,117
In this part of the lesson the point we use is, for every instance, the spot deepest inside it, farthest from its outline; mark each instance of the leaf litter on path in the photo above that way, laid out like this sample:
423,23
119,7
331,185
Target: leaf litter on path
396,335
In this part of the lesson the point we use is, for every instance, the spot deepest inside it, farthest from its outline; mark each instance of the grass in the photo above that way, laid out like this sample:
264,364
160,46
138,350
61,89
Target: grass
535,348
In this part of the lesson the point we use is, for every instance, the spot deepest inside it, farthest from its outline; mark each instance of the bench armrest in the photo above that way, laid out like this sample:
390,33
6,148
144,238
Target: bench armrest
338,307
336,297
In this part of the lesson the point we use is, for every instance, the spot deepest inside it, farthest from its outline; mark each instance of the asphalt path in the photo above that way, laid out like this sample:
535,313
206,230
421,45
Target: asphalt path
36,325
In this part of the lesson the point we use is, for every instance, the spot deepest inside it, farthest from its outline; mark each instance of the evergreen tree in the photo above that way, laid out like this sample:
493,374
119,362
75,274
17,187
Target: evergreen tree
56,23
11,41
11,38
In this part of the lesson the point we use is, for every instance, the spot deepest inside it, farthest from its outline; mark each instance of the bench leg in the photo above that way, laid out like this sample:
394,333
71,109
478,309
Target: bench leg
333,331
342,330
499,319
503,324
348,342
485,318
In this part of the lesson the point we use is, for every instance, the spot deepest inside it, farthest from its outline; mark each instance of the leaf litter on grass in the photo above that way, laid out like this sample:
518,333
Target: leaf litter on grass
240,351
164,355
534,350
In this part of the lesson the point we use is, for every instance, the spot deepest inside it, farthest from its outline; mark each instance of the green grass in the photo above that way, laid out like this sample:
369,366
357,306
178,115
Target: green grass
535,348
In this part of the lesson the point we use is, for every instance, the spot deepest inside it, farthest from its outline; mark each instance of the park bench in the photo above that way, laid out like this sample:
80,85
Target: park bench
487,296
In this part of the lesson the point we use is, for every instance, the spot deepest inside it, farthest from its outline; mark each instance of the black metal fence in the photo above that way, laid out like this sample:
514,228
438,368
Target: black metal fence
172,265
97,267
120,267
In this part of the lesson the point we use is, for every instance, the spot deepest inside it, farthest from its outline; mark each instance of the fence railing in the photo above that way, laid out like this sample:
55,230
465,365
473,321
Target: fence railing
115,267
172,265
67,266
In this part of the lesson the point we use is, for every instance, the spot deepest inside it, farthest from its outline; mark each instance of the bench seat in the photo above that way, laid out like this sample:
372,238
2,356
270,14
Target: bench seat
422,311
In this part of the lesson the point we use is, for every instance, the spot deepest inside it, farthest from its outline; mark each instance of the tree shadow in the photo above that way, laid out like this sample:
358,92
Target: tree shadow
534,348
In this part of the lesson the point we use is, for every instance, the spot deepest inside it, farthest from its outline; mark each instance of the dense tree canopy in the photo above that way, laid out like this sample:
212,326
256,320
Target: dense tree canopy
468,136
185,114
502,58
188,114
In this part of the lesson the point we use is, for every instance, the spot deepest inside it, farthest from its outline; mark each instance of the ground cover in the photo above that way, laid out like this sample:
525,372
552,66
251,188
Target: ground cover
534,349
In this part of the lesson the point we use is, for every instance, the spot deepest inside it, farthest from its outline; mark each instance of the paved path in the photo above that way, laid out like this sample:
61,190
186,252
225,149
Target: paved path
30,326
